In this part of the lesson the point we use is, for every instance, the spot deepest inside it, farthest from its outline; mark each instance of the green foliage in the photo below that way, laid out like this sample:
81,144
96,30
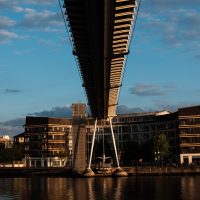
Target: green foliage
161,145
13,154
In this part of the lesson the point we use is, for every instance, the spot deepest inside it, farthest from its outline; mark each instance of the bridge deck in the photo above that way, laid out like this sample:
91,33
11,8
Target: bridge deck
100,32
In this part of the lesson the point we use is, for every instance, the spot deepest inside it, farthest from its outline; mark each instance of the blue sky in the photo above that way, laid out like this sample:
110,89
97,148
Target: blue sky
38,72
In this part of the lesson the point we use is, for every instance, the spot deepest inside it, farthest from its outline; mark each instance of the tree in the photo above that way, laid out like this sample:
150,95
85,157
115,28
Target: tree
13,154
161,147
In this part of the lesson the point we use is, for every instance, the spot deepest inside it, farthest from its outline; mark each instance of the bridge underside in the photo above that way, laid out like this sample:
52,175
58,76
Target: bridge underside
100,32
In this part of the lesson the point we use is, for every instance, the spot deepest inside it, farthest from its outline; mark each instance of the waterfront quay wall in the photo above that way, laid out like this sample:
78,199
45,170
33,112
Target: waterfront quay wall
31,171
162,170
67,172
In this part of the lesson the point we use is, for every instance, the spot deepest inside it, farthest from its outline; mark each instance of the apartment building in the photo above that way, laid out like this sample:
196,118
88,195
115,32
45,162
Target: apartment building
189,134
54,142
5,142
137,129
47,142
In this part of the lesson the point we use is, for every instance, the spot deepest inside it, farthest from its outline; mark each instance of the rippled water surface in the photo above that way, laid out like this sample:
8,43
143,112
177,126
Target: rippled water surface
150,188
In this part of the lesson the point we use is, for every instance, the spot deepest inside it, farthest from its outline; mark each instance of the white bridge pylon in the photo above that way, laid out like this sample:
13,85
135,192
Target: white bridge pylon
93,140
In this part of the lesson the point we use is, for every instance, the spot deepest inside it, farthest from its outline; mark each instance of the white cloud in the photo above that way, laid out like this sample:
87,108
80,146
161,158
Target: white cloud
6,22
146,90
164,104
15,126
6,36
151,90
41,20
6,4
18,9
123,109
163,4
27,15
25,10
48,2
10,5
64,111
12,127
174,22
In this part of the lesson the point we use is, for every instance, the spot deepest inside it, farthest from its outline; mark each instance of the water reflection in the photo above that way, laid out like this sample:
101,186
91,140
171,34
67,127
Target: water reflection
190,187
139,188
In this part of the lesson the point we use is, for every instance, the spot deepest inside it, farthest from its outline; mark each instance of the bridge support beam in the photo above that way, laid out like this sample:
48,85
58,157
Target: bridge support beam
114,143
92,147
88,172
118,171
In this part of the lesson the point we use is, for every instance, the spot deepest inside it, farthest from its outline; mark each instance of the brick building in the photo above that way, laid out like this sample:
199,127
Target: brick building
138,128
47,141
189,134
60,142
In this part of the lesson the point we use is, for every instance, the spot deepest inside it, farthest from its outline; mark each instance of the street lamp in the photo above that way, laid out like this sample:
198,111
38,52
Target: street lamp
157,157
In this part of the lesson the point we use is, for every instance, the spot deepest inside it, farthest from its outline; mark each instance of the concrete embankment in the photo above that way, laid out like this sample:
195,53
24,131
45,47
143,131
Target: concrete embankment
22,171
154,170
66,172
